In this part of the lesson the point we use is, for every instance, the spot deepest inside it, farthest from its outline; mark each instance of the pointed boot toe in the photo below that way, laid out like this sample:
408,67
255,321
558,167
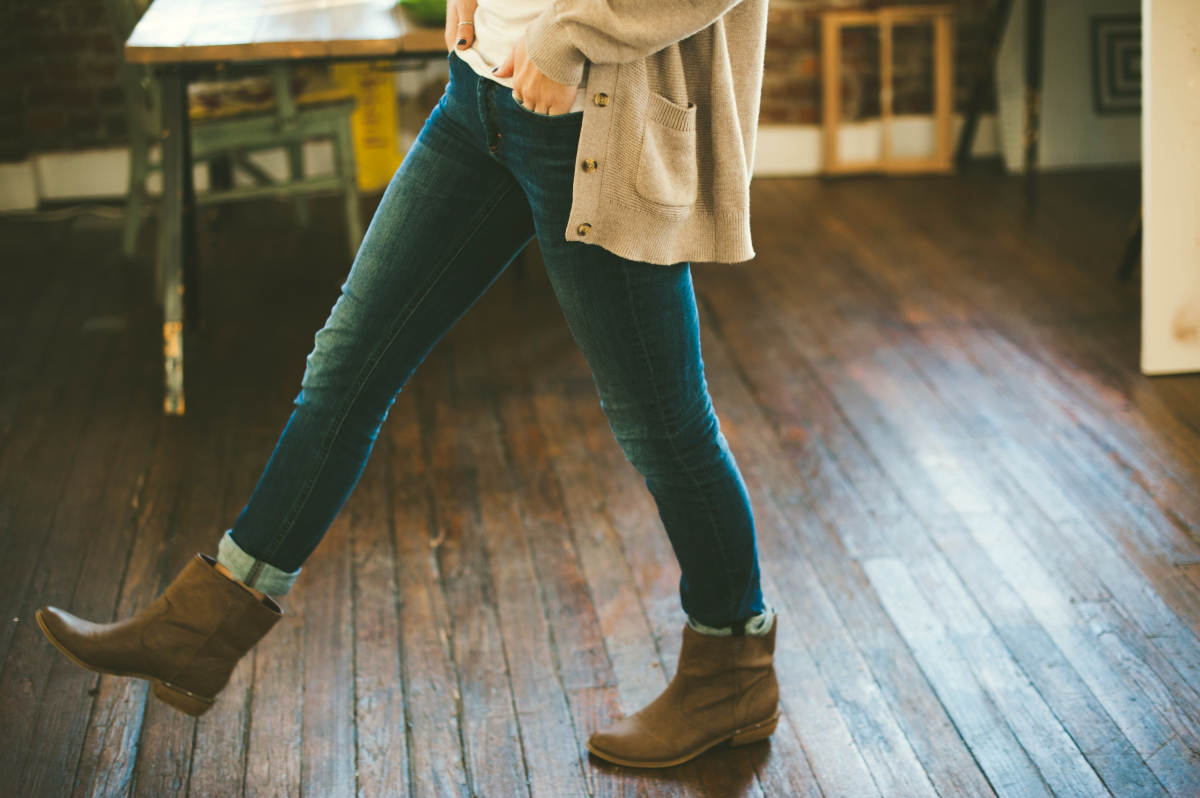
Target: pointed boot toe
186,642
69,634
724,691
633,742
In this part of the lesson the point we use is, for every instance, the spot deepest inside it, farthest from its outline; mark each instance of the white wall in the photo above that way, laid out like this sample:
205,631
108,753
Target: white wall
1072,134
1171,186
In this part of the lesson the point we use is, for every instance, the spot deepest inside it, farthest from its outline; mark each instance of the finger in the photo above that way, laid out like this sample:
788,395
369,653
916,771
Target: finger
451,25
505,70
466,34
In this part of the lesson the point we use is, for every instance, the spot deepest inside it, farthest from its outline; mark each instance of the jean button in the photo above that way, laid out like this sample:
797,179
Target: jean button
583,229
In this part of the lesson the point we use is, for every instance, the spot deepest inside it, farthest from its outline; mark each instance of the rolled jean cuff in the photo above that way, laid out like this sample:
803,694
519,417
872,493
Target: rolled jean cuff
758,624
250,570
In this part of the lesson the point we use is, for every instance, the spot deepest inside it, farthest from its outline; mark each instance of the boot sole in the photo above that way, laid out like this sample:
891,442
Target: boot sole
171,694
743,736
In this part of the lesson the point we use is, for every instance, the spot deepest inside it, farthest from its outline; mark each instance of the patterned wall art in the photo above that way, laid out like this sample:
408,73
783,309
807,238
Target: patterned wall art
1117,63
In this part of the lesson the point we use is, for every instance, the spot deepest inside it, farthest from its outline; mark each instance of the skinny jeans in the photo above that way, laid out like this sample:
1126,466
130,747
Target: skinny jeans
482,179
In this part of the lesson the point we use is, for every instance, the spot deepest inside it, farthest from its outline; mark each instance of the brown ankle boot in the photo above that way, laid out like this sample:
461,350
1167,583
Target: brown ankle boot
186,642
724,689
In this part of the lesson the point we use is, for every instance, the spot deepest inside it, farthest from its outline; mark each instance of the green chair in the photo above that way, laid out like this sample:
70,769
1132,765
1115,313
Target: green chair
251,109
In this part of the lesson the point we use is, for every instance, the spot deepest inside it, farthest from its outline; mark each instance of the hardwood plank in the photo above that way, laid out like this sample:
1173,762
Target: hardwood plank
622,494
162,516
905,393
550,749
913,477
219,751
635,661
113,741
823,541
1047,599
549,745
975,516
961,495
164,759
107,552
1010,772
277,699
1045,737
453,432
380,726
44,445
37,309
1079,531
582,664
949,348
431,696
1174,763
327,752
44,694
952,278
1040,653
579,645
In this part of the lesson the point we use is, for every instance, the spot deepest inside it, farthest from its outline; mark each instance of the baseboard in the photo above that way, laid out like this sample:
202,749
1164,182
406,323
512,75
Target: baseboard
18,189
795,150
783,150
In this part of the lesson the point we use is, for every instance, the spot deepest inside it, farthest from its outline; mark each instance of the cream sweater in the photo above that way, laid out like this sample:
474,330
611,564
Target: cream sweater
670,99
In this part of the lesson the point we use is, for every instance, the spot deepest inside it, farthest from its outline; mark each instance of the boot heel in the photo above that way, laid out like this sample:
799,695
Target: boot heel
752,734
181,699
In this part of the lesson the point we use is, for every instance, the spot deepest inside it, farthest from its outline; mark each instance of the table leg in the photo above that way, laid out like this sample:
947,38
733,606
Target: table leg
1035,13
178,219
987,81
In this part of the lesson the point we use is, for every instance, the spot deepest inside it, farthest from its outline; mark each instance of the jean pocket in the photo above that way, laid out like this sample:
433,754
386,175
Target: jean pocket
569,115
667,172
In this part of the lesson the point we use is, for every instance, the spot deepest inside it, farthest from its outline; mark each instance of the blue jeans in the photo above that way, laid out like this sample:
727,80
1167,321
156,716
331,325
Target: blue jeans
483,177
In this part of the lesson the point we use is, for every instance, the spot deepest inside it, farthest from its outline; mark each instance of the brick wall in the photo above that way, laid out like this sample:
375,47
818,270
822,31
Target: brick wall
58,78
59,87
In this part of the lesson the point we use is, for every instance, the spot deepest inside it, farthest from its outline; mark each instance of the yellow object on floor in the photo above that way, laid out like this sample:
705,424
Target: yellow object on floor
376,149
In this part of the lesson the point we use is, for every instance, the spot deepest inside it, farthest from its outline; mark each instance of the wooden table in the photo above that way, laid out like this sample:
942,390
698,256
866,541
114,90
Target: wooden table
175,36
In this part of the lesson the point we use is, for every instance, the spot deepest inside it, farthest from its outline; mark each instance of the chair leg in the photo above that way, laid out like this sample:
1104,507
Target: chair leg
220,177
136,198
1133,251
343,146
160,254
295,153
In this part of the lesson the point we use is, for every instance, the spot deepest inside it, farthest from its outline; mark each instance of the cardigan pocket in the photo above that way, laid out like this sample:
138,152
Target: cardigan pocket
667,168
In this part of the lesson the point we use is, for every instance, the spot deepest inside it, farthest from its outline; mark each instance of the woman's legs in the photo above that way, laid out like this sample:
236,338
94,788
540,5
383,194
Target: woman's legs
637,325
484,175
638,328
448,224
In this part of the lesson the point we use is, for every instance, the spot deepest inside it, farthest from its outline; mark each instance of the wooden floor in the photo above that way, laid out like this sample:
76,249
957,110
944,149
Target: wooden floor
979,522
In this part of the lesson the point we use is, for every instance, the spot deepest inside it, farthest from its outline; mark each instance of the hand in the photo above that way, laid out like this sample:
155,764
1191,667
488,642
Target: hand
460,11
531,87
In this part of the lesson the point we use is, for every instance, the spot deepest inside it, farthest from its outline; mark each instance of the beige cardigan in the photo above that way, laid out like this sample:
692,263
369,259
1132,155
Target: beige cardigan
666,149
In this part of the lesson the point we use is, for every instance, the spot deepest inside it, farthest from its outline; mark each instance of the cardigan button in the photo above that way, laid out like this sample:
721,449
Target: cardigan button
600,99
589,164
583,229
